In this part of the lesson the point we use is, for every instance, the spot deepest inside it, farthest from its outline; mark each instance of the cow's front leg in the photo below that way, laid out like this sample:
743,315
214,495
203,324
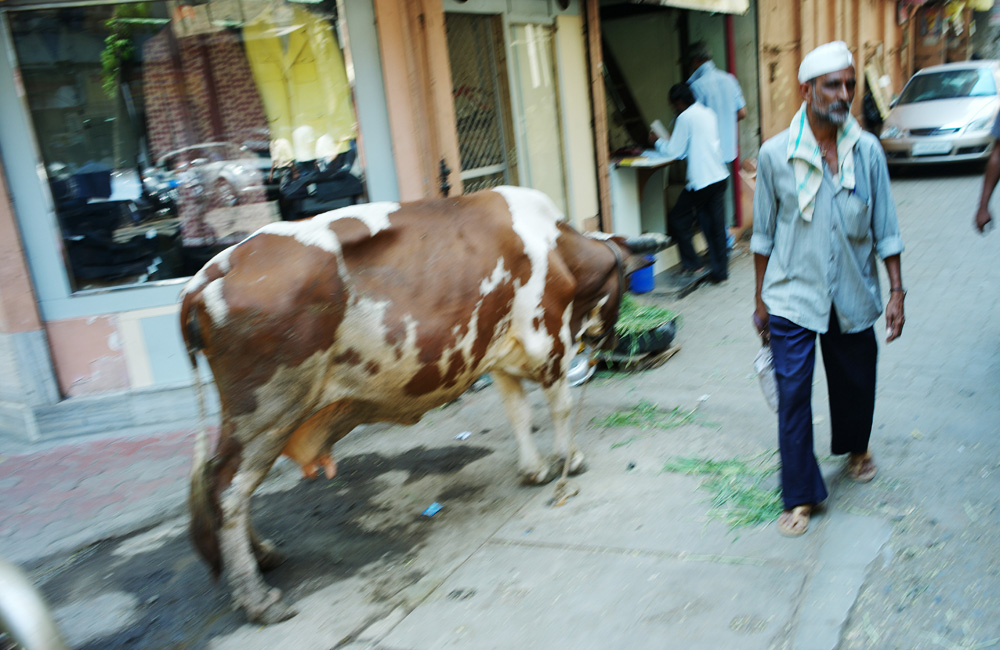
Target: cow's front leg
533,469
561,406
261,603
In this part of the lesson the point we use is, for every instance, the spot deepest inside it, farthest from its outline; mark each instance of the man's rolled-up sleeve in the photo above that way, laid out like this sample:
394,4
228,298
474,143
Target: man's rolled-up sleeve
738,95
765,209
885,224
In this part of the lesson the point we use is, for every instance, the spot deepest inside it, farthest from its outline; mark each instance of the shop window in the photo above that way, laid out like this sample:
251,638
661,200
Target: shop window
537,109
171,131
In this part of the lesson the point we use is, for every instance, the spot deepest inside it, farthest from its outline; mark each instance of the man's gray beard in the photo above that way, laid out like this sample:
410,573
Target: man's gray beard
828,115
837,118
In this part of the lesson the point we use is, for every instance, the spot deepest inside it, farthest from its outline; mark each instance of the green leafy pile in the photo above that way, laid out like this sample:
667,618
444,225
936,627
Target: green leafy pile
743,494
636,318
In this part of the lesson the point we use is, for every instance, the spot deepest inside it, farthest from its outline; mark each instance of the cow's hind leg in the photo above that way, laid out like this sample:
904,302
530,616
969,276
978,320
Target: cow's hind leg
561,407
264,550
240,561
533,468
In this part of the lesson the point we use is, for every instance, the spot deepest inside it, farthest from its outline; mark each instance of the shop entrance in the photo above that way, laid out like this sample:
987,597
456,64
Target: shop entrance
482,100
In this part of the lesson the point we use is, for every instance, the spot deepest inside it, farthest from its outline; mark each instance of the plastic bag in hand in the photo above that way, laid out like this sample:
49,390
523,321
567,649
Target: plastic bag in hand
764,365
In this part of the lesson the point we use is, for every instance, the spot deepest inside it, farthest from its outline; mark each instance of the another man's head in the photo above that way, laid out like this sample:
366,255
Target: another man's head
681,97
696,54
827,82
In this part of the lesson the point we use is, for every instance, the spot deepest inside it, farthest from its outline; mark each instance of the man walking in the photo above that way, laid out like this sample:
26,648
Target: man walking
696,139
984,220
823,210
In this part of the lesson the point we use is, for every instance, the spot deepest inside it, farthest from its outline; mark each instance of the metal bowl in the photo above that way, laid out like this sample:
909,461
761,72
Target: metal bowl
580,368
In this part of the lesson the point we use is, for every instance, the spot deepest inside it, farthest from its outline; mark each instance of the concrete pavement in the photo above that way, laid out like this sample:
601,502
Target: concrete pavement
636,560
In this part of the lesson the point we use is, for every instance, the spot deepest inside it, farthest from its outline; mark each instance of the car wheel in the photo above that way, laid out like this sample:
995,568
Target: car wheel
225,196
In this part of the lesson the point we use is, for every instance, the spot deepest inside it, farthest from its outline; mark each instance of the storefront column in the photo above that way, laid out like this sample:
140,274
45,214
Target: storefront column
26,375
418,91
598,100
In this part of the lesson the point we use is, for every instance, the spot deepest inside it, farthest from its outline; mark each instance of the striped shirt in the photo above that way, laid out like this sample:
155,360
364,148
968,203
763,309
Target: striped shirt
830,260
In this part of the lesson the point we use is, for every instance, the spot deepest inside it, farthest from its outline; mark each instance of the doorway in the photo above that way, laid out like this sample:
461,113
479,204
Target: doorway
482,101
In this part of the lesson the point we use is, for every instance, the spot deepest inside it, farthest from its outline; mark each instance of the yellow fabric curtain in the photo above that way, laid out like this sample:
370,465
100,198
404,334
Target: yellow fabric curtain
303,85
722,6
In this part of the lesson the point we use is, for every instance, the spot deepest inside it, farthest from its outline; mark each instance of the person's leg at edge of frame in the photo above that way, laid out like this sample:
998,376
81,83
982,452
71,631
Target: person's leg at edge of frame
681,219
850,363
713,225
802,487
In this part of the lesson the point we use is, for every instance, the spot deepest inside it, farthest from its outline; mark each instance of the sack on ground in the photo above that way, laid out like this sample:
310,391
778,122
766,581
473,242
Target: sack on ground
764,365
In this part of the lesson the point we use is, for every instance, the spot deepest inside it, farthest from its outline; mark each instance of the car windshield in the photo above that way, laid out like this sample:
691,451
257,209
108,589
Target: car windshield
972,82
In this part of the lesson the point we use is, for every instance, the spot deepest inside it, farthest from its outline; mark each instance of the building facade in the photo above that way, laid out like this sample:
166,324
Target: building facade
139,139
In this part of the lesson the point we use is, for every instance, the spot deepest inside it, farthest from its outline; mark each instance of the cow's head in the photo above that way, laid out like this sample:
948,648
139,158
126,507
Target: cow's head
630,255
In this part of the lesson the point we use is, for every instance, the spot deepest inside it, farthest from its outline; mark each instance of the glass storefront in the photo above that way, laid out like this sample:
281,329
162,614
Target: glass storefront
538,110
169,131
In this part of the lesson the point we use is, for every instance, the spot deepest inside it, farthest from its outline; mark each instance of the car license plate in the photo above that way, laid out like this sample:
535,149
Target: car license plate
931,148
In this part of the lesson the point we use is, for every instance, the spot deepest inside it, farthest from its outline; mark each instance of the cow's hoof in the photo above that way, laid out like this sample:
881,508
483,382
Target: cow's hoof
577,464
267,554
271,610
540,476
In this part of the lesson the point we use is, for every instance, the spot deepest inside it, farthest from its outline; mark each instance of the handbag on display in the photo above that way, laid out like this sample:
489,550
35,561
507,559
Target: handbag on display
312,187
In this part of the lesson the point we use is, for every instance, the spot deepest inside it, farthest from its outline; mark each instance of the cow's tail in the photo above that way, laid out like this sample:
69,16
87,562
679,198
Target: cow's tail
203,501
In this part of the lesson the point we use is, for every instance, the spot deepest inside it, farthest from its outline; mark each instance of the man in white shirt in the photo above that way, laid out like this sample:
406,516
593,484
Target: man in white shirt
696,140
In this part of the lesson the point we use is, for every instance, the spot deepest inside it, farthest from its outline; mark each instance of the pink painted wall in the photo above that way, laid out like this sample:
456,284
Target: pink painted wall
88,356
18,311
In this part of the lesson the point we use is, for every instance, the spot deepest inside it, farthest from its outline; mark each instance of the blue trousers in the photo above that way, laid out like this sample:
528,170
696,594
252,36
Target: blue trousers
849,361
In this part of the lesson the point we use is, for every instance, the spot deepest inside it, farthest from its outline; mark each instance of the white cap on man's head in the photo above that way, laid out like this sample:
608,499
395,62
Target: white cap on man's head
829,57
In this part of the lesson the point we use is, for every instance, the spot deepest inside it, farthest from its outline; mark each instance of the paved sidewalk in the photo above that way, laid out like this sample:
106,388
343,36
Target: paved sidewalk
66,496
636,560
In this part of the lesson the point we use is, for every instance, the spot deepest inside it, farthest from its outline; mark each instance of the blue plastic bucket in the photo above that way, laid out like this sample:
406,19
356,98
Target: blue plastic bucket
641,281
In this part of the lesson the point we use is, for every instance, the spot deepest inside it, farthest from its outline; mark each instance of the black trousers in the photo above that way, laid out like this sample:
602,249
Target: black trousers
707,207
849,361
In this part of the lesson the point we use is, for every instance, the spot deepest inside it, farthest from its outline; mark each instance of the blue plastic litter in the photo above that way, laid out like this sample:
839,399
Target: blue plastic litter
432,509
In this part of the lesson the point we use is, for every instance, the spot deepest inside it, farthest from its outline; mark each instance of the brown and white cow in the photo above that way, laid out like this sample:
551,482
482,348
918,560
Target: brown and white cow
378,313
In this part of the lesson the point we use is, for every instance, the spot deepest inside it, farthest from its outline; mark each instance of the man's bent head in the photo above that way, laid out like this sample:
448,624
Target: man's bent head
827,82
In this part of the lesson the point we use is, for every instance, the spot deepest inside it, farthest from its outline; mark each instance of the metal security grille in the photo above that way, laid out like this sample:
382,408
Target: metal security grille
479,83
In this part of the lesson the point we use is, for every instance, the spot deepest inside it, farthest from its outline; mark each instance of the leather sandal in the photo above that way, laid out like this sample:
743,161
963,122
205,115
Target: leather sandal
861,467
795,522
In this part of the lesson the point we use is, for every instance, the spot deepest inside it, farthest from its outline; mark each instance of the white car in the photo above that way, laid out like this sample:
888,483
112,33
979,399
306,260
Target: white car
944,114
226,173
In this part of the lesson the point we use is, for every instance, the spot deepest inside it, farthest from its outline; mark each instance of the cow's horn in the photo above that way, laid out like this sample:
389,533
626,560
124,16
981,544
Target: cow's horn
650,242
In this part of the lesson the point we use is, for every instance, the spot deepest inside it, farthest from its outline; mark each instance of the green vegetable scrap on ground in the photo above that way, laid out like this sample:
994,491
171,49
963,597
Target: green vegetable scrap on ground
636,318
740,492
646,415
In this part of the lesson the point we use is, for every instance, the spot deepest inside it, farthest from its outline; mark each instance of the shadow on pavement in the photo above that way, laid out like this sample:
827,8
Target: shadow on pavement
177,604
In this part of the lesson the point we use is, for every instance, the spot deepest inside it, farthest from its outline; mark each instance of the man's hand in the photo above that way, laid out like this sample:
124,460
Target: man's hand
894,316
984,220
761,321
